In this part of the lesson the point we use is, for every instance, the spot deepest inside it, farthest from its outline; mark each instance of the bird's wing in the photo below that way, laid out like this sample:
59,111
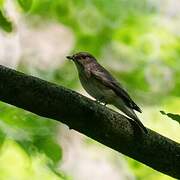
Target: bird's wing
105,77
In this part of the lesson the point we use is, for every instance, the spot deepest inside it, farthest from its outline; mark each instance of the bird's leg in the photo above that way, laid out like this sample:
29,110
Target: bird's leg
97,101
101,101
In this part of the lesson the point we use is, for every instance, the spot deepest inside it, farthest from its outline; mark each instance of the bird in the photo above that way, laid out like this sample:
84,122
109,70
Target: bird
101,85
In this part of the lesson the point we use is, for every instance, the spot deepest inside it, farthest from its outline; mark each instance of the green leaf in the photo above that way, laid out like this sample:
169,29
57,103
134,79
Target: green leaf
25,4
5,24
175,117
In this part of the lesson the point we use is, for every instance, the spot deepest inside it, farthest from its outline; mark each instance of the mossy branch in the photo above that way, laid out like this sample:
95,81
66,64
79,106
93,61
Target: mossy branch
90,118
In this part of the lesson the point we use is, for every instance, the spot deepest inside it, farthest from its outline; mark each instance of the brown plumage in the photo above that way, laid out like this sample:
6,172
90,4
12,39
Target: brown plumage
100,84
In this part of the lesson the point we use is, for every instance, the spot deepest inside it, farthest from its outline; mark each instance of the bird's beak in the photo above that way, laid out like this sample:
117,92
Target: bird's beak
70,57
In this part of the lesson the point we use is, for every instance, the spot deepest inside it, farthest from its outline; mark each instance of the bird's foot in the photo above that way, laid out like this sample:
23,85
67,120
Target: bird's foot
98,101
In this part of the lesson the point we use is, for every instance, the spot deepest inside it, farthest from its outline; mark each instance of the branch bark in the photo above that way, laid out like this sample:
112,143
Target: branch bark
90,118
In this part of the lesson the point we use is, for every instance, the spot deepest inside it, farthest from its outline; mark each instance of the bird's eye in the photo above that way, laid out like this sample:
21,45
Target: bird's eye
83,57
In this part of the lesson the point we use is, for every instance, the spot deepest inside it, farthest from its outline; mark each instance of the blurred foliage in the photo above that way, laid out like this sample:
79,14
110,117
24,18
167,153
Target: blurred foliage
33,134
143,172
133,40
1,3
175,117
25,4
93,22
15,163
5,24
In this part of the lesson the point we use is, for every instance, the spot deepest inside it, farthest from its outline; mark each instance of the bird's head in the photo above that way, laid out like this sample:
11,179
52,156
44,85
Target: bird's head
82,58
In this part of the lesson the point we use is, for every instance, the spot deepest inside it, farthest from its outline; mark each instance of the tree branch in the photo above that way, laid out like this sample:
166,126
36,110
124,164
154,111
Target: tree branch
90,118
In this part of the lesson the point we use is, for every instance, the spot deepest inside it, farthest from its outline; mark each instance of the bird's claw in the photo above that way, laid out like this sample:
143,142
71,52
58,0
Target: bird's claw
98,101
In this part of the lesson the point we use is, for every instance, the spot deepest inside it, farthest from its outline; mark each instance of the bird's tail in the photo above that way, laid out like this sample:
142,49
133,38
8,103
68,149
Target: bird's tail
130,113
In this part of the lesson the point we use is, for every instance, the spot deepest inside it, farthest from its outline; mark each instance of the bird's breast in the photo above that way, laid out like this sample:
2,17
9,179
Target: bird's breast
97,89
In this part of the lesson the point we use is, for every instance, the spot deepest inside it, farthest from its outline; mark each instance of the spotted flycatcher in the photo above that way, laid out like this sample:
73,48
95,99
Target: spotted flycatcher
101,85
